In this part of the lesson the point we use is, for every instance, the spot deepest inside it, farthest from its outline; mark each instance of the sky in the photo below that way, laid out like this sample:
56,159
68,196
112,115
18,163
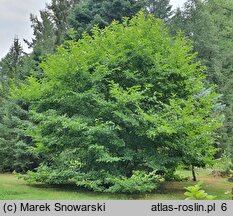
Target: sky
15,22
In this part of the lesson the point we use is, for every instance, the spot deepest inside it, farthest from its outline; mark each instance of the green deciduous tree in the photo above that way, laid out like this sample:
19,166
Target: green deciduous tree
118,108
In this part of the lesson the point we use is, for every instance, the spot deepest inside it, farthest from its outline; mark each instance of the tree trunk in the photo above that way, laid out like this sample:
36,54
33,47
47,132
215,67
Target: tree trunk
193,172
232,193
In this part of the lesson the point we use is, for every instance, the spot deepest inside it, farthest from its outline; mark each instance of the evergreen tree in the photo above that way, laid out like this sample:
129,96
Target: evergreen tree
209,25
10,63
15,146
50,28
15,151
160,8
44,34
60,10
89,13
222,13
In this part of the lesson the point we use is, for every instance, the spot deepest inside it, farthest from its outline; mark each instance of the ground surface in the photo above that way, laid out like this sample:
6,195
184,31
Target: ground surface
12,188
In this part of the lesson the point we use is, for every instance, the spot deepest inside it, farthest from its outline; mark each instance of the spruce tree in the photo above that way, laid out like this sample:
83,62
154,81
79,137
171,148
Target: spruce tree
159,8
15,147
89,13
209,25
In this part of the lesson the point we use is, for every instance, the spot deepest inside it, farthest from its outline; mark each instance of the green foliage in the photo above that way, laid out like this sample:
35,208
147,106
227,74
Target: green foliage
48,31
116,108
88,13
209,25
9,66
15,147
49,28
159,8
44,34
138,182
195,193
15,151
179,176
224,163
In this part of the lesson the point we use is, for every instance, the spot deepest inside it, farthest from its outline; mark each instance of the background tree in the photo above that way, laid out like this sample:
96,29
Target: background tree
44,34
50,28
60,10
208,24
15,151
160,8
15,146
89,13
222,13
10,63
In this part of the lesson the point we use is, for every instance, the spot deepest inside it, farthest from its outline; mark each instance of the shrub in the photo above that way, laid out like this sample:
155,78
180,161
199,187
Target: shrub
195,193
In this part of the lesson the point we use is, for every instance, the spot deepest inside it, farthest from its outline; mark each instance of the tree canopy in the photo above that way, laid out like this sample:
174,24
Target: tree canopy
115,104
117,110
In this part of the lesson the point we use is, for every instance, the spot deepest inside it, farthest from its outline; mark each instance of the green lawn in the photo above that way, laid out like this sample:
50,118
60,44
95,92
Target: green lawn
12,188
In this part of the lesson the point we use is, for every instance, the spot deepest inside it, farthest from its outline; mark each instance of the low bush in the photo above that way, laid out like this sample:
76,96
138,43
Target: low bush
195,193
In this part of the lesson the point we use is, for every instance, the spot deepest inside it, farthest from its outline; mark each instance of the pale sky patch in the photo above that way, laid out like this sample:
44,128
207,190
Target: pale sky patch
177,3
14,20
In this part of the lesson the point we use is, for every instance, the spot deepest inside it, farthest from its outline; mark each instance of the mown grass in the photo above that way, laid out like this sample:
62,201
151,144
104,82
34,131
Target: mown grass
12,188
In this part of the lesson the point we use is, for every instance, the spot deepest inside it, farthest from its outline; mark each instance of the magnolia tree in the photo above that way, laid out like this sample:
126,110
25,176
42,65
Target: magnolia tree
118,110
